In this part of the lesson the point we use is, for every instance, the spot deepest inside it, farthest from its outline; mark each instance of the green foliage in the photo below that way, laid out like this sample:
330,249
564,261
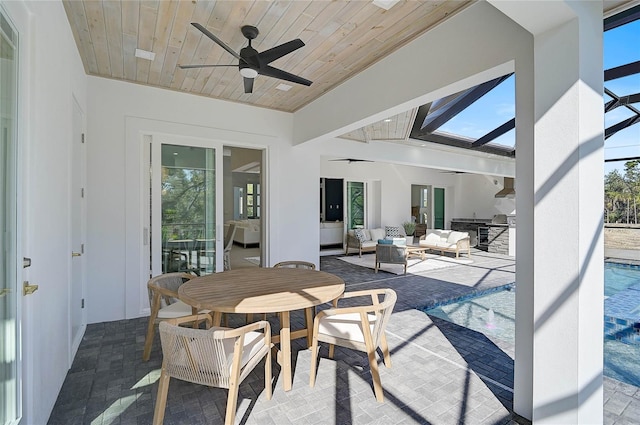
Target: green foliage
184,207
409,228
622,194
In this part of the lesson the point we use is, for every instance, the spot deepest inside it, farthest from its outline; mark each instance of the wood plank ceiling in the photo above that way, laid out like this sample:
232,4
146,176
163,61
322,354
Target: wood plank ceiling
342,38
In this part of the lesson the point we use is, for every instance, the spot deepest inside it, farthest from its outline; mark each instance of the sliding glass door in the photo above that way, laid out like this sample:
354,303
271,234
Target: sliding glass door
182,208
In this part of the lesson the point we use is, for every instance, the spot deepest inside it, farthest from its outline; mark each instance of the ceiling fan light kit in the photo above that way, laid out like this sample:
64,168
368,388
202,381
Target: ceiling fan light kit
252,63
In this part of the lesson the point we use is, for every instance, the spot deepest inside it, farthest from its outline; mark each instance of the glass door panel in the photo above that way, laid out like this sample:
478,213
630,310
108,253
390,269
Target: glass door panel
9,288
438,208
355,205
187,209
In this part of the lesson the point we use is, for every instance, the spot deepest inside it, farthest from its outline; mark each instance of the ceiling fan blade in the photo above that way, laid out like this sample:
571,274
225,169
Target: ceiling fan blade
216,39
200,66
277,52
270,71
248,85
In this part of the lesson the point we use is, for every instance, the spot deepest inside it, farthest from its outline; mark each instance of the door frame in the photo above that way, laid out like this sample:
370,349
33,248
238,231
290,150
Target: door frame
78,171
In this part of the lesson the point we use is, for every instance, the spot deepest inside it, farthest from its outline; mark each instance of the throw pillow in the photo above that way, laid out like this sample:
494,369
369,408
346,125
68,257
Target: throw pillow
376,234
360,235
385,241
392,232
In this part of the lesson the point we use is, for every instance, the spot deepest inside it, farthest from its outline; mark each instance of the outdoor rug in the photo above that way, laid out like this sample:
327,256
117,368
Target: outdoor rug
414,265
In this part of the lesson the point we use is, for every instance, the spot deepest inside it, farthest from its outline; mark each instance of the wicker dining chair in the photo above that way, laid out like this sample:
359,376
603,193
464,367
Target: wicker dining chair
164,303
358,328
216,357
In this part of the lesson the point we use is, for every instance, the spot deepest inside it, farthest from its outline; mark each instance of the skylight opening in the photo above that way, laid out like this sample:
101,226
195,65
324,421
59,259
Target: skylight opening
486,114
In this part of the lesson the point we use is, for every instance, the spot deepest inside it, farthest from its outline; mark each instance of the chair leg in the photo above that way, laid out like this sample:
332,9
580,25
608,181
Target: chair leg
332,349
314,361
375,375
267,374
232,400
148,340
385,351
161,399
151,331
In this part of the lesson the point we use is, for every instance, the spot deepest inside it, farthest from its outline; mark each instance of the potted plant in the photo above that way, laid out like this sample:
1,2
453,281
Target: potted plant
409,230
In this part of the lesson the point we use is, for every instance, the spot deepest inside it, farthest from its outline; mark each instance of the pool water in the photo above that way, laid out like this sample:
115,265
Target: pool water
494,315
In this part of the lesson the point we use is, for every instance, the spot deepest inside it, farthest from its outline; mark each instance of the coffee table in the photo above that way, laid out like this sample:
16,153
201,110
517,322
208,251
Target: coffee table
417,251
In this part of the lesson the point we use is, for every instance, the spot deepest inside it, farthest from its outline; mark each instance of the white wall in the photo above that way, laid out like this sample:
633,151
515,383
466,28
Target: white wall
118,114
51,76
476,195
464,194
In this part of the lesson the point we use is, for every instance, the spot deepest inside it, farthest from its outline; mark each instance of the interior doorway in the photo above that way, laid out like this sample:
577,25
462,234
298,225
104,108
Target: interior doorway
244,206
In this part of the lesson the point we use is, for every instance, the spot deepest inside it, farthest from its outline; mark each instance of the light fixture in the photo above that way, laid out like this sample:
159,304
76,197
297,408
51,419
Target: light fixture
248,72
385,4
283,87
144,54
388,120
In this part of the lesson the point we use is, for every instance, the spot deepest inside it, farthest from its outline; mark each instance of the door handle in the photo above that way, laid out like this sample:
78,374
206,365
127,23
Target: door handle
76,254
28,289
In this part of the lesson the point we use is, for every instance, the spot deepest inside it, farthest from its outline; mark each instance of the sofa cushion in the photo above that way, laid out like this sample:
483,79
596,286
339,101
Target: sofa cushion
399,241
454,237
430,239
359,233
376,234
369,244
367,235
385,241
392,232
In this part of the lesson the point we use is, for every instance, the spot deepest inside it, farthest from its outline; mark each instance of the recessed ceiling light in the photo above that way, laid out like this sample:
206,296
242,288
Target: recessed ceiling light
175,153
385,4
388,120
284,87
144,54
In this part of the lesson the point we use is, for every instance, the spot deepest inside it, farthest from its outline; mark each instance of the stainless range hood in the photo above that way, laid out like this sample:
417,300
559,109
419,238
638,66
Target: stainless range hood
509,190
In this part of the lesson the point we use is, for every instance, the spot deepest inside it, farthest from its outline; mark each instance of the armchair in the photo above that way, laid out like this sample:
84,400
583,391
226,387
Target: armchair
217,357
358,328
391,254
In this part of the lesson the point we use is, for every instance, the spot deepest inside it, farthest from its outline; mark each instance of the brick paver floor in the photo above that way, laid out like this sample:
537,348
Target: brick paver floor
441,373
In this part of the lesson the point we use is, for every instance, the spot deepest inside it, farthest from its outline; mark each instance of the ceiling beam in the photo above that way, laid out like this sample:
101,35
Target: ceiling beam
621,101
622,18
622,71
493,134
621,126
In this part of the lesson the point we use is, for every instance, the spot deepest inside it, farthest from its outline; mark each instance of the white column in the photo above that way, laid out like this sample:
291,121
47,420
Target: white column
559,177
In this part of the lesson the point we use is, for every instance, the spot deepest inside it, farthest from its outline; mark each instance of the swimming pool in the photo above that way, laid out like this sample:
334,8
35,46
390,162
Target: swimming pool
494,316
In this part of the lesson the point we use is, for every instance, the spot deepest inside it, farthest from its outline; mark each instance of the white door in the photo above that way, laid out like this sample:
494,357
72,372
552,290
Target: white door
76,303
10,290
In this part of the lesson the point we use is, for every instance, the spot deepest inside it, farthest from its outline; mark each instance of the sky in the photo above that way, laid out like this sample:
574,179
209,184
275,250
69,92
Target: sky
621,46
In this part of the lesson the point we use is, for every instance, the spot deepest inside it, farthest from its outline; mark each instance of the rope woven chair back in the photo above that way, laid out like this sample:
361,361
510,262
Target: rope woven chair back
217,357
168,281
382,315
294,264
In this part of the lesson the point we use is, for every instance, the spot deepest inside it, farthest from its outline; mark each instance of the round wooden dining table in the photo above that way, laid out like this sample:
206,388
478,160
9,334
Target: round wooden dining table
265,290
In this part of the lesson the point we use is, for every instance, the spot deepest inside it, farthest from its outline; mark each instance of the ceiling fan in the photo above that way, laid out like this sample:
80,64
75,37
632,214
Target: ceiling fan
251,63
351,160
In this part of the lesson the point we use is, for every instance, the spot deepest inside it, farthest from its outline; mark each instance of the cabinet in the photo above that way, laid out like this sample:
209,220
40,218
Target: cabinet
331,198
